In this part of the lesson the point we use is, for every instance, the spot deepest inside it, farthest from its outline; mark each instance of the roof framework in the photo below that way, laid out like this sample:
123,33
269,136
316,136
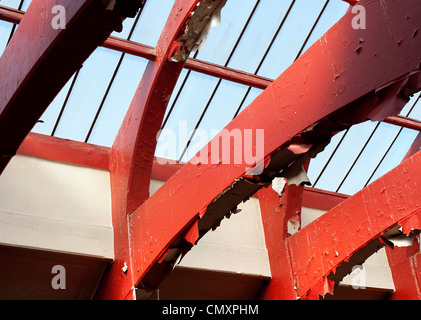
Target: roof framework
380,96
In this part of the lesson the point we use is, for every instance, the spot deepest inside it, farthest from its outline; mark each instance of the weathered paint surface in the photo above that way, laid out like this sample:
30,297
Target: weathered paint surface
56,149
405,262
132,154
328,78
329,247
30,62
275,215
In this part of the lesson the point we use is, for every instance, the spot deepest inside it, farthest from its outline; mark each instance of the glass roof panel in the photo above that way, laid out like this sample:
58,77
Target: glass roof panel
5,29
48,120
118,101
87,94
152,21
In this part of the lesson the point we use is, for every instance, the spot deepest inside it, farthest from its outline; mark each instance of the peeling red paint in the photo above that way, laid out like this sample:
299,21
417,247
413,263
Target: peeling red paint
175,46
411,223
299,148
355,223
321,289
193,234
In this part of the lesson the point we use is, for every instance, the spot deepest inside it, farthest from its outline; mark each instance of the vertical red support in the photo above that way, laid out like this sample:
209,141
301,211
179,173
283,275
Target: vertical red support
276,212
404,262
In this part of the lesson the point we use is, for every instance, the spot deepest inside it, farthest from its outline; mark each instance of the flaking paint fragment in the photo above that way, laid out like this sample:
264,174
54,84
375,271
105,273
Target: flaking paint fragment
193,234
300,148
396,237
278,184
296,175
293,226
206,15
321,289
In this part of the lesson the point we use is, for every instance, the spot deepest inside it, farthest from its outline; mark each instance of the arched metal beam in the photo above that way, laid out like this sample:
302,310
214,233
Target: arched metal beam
326,250
41,57
132,154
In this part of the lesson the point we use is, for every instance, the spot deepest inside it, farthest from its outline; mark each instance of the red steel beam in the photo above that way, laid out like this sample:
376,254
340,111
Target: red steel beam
11,15
404,122
363,78
274,224
94,156
63,150
85,154
148,52
133,151
40,59
325,251
204,67
405,262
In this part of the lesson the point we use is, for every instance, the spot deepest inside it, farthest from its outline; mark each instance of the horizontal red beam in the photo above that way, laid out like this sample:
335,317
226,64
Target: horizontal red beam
94,156
228,74
404,122
322,199
63,150
10,15
130,47
84,154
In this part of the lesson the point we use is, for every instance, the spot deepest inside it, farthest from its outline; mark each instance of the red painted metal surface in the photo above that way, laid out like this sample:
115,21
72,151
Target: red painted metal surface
133,151
130,47
57,149
321,250
404,262
40,59
228,74
416,147
405,266
275,224
10,15
404,122
321,199
84,154
327,78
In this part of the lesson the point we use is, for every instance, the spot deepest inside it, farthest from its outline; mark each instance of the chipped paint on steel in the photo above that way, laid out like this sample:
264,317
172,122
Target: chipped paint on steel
206,14
355,229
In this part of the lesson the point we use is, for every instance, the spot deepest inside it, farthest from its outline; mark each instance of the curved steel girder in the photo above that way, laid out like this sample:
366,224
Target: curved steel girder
346,77
326,250
132,154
